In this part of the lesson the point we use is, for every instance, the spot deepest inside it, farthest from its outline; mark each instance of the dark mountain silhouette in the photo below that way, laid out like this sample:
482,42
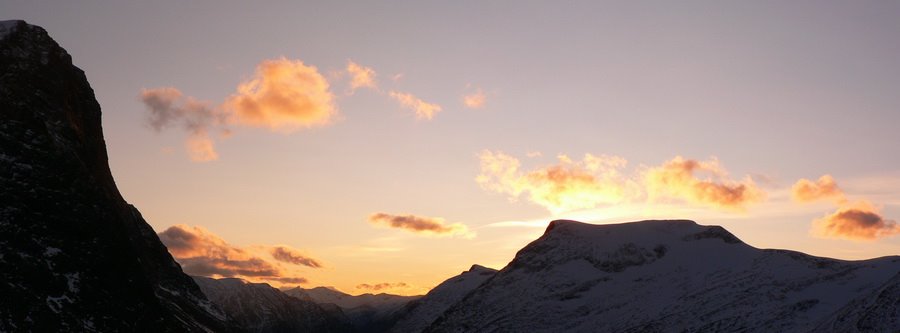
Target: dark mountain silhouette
75,255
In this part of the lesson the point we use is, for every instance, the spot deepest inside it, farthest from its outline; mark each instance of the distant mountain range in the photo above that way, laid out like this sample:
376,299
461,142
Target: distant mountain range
77,257
369,313
257,307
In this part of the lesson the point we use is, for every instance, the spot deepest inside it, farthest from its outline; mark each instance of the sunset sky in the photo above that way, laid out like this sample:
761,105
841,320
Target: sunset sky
384,147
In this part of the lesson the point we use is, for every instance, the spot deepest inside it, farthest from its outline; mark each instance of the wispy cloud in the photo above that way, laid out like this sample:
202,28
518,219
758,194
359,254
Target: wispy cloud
475,100
169,107
383,286
423,110
291,255
420,224
360,76
200,252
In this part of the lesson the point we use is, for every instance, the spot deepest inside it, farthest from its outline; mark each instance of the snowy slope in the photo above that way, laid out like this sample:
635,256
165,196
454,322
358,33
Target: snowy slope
369,313
666,276
422,312
879,311
258,307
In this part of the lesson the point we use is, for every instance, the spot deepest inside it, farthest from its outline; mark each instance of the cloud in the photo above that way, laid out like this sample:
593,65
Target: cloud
423,109
475,100
169,107
566,186
859,220
678,178
291,280
200,252
200,147
360,76
283,95
805,190
380,286
420,224
293,256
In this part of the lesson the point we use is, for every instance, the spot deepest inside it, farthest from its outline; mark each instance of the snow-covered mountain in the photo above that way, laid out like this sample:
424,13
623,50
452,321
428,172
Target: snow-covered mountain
675,276
369,313
76,257
257,307
422,312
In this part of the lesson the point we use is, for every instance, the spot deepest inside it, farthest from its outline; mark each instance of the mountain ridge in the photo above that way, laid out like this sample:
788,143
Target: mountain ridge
665,276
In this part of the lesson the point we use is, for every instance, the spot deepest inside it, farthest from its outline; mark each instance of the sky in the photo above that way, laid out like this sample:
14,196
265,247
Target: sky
387,146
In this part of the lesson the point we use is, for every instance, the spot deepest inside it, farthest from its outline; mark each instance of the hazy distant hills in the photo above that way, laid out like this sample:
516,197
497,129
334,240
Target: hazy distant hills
369,313
75,256
257,307
675,276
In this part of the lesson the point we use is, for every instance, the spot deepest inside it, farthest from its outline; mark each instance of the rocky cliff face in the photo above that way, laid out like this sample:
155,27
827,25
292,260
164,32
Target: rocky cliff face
75,256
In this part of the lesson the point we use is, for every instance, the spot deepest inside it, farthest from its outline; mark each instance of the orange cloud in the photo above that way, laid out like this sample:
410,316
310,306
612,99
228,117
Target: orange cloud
805,190
475,100
293,256
200,252
200,147
360,76
858,221
283,95
420,224
677,178
566,186
423,109
384,285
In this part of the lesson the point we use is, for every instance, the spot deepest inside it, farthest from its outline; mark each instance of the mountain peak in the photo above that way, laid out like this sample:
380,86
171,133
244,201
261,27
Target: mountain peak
647,230
478,268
